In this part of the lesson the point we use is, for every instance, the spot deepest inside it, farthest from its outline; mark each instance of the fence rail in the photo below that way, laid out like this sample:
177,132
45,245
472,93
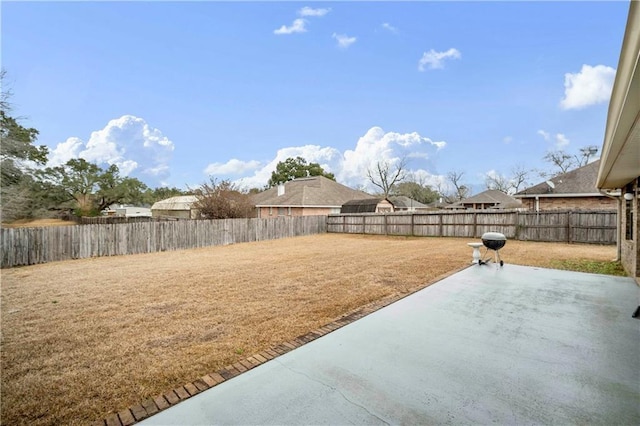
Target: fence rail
584,226
29,246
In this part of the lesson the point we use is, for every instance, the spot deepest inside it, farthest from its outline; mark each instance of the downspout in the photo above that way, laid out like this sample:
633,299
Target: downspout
618,198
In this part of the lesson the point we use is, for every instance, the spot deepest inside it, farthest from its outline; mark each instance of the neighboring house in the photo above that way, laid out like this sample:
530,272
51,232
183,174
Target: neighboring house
406,204
491,199
132,211
574,190
368,205
176,207
620,162
309,196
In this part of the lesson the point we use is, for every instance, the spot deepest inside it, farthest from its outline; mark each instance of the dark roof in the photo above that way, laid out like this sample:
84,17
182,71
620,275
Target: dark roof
577,181
490,196
309,191
367,205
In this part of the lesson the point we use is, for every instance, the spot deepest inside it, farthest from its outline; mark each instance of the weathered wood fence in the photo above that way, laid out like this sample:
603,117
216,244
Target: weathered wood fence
594,227
28,246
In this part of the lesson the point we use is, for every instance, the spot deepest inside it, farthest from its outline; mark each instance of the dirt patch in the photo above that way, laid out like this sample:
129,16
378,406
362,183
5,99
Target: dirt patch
85,338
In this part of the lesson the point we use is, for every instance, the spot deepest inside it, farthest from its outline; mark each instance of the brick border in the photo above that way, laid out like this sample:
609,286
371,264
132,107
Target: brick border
151,406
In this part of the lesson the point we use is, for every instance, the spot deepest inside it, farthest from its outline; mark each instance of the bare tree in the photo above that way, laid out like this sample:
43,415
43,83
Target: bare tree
586,152
520,176
562,161
508,185
385,175
497,182
460,190
222,201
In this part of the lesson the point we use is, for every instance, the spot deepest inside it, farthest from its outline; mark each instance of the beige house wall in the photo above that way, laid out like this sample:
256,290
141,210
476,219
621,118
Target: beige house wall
180,214
570,203
384,206
267,212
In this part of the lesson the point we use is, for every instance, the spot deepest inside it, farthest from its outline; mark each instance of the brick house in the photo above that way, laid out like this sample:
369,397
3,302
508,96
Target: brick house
620,163
309,196
574,190
491,199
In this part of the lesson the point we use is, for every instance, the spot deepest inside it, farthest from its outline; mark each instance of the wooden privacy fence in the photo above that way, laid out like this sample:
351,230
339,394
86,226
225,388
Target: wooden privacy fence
595,227
28,246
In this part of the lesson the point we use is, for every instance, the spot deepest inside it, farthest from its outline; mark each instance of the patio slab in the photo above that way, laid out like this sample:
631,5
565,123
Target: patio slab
511,345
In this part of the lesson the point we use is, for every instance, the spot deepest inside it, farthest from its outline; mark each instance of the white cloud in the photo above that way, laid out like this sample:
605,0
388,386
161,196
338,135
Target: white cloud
344,41
138,149
308,11
507,139
232,167
434,60
590,86
545,135
65,151
298,26
559,139
387,26
350,167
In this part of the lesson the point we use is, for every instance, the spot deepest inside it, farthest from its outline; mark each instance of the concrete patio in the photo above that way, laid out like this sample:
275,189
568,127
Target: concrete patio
511,345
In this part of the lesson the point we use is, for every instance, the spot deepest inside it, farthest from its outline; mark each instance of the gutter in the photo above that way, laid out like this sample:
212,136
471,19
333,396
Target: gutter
567,195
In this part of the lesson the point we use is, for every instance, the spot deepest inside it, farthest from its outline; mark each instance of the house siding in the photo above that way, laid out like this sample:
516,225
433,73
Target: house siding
571,203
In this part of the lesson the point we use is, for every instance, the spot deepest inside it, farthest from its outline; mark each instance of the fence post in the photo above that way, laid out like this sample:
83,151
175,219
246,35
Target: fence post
475,224
439,224
569,230
413,214
386,231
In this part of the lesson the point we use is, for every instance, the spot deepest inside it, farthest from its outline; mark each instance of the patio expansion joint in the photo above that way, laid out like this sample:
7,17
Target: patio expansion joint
333,388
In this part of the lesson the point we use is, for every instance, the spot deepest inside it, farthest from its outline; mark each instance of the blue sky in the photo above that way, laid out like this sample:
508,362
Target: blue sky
177,92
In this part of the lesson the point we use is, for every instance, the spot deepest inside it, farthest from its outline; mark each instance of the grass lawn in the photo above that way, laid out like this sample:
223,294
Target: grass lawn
85,338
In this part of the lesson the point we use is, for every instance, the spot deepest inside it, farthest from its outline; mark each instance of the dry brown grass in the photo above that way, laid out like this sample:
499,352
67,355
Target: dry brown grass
33,223
84,338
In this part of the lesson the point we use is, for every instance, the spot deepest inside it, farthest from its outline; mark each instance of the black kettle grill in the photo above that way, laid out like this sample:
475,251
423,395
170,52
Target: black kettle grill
493,241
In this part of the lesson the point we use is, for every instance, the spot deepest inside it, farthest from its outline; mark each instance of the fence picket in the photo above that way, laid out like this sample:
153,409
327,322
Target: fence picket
26,246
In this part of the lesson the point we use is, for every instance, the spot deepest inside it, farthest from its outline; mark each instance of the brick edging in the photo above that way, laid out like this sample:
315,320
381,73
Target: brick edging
151,406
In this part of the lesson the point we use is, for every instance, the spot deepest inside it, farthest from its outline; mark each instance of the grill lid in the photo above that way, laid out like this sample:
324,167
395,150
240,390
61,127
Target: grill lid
493,236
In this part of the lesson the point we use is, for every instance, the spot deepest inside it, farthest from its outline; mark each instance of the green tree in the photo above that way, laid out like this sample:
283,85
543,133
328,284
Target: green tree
17,150
414,190
87,188
293,168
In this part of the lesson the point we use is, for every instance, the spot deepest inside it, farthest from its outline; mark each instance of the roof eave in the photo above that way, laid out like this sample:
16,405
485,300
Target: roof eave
621,144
